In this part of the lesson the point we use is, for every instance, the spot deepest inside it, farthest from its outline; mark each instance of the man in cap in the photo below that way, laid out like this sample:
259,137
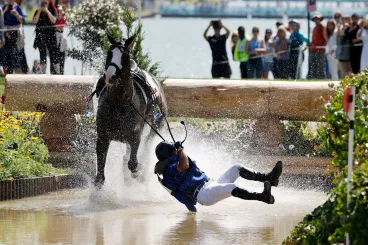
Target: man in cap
240,53
317,49
220,61
189,185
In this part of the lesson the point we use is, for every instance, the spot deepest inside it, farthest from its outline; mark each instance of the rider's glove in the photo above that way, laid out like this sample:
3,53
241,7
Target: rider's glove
178,146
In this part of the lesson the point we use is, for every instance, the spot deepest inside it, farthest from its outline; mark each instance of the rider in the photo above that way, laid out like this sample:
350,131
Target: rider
188,184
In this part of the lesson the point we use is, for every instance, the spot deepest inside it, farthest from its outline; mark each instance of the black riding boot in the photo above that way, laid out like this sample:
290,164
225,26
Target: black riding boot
272,177
265,196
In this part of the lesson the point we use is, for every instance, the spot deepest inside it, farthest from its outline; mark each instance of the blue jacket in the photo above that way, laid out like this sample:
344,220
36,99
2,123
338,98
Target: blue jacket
297,39
184,185
10,19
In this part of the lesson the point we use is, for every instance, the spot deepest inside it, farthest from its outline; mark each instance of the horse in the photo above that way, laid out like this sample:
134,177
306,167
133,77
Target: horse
131,97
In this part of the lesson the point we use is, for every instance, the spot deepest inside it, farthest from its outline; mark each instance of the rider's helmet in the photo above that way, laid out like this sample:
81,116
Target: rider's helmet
164,150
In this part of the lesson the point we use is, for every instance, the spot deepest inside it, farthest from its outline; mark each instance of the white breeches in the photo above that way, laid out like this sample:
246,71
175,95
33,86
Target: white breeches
215,191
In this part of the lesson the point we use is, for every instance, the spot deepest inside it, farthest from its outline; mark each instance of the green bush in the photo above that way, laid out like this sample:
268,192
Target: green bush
22,150
328,223
88,23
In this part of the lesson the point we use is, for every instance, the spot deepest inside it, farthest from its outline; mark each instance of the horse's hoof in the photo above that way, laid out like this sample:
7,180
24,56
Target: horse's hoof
99,181
136,174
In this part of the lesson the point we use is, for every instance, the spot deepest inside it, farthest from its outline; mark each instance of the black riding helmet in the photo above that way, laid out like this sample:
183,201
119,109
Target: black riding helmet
164,150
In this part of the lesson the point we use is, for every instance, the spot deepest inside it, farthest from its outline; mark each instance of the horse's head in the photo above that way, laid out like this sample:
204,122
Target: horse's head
119,56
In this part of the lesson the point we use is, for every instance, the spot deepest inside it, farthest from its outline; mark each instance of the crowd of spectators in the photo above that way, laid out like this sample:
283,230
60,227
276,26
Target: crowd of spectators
335,50
49,20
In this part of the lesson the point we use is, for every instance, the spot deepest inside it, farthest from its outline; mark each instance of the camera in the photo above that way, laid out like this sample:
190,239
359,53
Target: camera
10,6
216,24
43,4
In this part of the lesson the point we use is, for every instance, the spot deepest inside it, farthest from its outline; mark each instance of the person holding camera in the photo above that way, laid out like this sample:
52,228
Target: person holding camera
45,18
14,16
363,35
189,185
20,44
220,61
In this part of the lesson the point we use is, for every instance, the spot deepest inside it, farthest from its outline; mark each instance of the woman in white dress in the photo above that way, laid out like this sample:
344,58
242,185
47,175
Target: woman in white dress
330,36
363,35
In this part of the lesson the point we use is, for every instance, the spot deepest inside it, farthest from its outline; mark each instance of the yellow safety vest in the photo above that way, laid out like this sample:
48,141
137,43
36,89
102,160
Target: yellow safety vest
240,54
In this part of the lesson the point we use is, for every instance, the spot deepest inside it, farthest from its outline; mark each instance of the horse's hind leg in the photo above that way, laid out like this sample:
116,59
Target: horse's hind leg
101,148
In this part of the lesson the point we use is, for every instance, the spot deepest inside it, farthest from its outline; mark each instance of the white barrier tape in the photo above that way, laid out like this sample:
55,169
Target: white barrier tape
300,48
41,27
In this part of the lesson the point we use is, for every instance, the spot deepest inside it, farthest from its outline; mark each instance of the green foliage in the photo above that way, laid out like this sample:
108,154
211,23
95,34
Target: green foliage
328,223
88,24
299,139
22,150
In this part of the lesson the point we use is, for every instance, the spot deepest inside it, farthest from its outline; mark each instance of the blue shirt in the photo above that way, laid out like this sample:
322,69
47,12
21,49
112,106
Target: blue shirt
10,19
253,44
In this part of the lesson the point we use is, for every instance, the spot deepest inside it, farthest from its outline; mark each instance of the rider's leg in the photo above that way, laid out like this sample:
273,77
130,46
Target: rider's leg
230,175
214,192
233,173
272,177
265,196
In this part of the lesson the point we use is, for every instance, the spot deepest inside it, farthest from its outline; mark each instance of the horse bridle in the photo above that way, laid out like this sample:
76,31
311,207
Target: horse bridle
123,50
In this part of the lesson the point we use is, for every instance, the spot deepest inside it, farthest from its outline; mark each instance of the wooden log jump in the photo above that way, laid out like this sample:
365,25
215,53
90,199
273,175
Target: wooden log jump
246,99
267,101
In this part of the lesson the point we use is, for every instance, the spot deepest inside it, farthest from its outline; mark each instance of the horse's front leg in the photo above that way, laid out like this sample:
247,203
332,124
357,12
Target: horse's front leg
101,149
134,143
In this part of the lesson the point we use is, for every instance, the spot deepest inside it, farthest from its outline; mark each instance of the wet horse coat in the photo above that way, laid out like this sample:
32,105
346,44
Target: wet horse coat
117,116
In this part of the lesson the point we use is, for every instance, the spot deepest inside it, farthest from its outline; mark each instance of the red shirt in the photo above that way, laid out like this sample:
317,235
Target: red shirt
318,39
60,22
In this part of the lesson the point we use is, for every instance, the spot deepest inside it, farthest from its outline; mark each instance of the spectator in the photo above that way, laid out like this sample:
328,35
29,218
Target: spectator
272,44
13,18
281,49
234,41
317,50
295,41
268,58
363,35
45,19
330,36
61,40
255,47
220,61
240,53
342,50
355,50
2,37
21,44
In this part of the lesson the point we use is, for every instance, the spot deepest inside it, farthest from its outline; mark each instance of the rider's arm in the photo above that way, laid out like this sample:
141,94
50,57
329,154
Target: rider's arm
183,161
